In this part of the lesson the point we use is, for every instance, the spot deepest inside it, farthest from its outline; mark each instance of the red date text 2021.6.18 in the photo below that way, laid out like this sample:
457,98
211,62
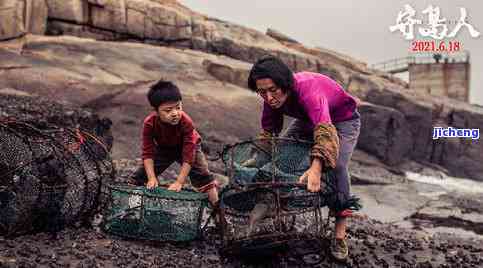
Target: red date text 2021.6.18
435,46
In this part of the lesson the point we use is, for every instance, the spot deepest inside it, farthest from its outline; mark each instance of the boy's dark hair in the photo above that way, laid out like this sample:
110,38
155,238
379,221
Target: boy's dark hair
271,67
163,91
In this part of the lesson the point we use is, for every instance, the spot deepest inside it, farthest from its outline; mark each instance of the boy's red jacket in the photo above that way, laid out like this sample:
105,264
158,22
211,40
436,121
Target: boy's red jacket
182,136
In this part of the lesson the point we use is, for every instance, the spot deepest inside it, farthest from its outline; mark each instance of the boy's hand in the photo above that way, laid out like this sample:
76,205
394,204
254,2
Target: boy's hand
175,186
181,179
152,183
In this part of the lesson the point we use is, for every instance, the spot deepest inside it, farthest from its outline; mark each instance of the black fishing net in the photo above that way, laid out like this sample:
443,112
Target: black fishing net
265,206
155,214
50,177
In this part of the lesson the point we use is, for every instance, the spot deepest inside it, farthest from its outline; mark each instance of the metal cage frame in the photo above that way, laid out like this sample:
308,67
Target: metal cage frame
280,237
70,149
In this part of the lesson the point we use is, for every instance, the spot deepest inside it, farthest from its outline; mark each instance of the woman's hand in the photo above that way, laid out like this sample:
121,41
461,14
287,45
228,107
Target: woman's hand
313,176
175,186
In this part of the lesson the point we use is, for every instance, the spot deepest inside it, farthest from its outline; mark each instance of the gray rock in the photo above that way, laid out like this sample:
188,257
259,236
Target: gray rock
75,11
12,26
280,36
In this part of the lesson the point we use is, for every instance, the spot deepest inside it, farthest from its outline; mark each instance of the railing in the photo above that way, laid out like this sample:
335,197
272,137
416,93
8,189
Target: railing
393,66
400,65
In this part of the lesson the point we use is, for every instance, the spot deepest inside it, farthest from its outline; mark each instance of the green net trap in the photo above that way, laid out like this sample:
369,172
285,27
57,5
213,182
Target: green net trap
264,207
154,214
50,177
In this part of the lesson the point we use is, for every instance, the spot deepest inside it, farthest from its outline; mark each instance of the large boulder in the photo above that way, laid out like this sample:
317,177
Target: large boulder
236,74
280,36
22,16
416,112
12,26
36,13
120,19
460,156
384,133
74,11
170,23
112,79
109,14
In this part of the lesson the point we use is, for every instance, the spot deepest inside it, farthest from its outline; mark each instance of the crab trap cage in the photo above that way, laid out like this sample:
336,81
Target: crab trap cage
50,177
264,207
154,214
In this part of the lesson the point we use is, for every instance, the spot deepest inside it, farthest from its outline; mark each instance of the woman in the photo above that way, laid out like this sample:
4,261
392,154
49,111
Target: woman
324,113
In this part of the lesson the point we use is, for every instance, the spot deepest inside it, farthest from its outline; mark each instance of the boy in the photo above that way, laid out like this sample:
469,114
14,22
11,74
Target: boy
169,135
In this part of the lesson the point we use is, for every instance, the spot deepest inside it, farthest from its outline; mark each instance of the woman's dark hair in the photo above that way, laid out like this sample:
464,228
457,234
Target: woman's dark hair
163,91
271,67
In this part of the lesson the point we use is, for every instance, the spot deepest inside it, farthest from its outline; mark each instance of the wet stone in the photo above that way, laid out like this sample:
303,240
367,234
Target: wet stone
312,259
11,244
212,258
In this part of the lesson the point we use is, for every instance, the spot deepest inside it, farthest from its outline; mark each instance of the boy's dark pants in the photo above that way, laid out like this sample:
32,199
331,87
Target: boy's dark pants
200,175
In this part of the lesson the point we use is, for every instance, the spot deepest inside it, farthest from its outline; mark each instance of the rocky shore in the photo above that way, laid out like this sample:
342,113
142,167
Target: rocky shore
371,244
408,226
99,58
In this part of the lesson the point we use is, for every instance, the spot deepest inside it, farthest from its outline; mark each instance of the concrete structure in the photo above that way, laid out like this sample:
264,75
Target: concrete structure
448,76
436,74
